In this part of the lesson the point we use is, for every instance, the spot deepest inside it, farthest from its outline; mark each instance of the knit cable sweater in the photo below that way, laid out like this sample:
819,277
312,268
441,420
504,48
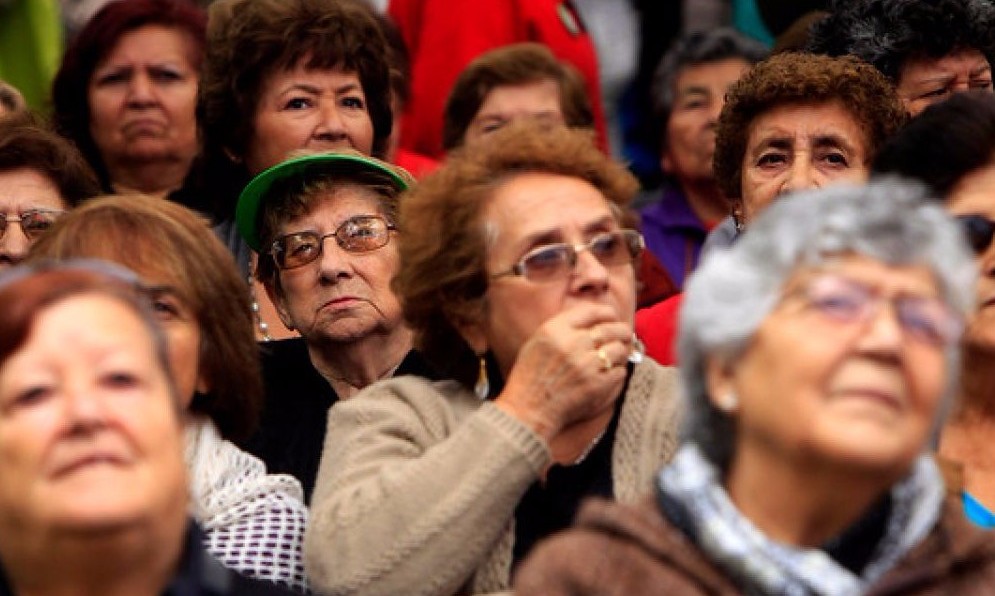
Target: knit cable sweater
419,482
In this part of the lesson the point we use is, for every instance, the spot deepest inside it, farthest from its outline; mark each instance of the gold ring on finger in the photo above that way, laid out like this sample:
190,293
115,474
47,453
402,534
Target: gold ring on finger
606,362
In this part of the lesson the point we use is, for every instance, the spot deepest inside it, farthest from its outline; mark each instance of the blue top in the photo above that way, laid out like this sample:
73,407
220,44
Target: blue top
674,234
977,513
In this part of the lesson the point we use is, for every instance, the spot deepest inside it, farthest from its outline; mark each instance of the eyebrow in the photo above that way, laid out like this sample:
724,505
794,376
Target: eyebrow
833,140
693,90
543,237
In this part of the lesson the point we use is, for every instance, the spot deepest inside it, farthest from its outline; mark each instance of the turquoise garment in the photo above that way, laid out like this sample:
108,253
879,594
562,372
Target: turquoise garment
746,18
977,513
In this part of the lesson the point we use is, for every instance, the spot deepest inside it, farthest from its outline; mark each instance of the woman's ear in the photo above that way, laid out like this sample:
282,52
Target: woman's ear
472,329
280,305
720,383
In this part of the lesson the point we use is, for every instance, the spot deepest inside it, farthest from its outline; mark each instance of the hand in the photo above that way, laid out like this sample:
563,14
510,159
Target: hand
571,369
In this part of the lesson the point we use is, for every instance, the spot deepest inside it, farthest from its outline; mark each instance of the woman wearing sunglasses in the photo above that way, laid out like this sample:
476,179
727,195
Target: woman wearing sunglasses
517,278
951,147
323,225
819,359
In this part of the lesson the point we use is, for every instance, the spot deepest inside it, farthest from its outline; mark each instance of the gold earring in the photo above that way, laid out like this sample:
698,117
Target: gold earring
483,387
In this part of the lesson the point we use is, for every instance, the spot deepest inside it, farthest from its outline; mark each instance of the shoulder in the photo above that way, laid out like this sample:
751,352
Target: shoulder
955,558
654,388
619,549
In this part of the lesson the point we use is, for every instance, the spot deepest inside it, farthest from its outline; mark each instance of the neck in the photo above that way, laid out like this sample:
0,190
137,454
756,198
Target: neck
801,503
156,177
574,443
121,561
705,199
966,440
350,366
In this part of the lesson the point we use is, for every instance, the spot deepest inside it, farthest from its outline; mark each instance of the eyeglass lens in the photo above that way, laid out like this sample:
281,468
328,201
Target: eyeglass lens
358,234
556,260
33,222
922,318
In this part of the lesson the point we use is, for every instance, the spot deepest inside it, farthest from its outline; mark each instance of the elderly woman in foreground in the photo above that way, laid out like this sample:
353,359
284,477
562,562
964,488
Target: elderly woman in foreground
819,356
253,522
518,280
94,491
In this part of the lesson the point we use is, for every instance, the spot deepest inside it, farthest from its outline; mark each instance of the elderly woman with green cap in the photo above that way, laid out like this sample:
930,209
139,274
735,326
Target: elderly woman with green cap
323,225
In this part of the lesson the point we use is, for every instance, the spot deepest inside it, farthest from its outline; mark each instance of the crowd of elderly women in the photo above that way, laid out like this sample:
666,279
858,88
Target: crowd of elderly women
240,353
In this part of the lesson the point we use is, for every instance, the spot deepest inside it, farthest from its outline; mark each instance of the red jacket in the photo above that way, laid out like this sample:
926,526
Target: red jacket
443,36
656,326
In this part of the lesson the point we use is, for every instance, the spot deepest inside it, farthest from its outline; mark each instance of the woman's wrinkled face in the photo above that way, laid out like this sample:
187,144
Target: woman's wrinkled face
143,96
532,210
340,296
842,371
925,81
974,194
90,437
315,109
31,196
795,147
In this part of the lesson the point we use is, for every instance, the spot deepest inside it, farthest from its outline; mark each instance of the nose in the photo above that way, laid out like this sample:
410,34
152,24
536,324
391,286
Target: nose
84,408
14,245
714,109
882,335
141,90
335,263
801,176
330,126
590,276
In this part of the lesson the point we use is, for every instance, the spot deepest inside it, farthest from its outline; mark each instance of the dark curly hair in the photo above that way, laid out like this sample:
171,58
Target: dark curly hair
443,242
887,33
797,78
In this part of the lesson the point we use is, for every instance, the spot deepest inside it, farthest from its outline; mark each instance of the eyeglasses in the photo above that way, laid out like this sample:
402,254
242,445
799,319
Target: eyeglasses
978,230
555,261
358,234
33,222
924,319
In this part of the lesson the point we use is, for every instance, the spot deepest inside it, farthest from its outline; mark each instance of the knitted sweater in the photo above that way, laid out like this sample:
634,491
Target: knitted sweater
419,482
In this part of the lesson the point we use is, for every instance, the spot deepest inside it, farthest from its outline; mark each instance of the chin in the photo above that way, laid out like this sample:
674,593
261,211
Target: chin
109,515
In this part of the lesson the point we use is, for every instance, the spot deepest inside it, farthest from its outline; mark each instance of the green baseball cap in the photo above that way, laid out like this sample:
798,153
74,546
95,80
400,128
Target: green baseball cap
305,167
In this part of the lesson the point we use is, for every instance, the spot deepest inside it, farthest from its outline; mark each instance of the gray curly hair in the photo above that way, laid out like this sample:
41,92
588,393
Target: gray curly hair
890,220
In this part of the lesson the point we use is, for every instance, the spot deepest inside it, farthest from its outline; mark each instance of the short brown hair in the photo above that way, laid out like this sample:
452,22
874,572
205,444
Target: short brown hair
796,78
154,235
25,142
442,280
516,64
247,40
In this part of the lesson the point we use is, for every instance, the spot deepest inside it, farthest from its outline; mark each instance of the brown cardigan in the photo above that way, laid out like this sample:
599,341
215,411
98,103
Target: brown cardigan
632,549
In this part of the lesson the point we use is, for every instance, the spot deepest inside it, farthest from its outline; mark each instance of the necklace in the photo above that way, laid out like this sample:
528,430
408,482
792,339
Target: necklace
590,447
256,314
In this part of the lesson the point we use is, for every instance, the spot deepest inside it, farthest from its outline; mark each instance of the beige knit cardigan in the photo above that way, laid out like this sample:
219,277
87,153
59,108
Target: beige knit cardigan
419,481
